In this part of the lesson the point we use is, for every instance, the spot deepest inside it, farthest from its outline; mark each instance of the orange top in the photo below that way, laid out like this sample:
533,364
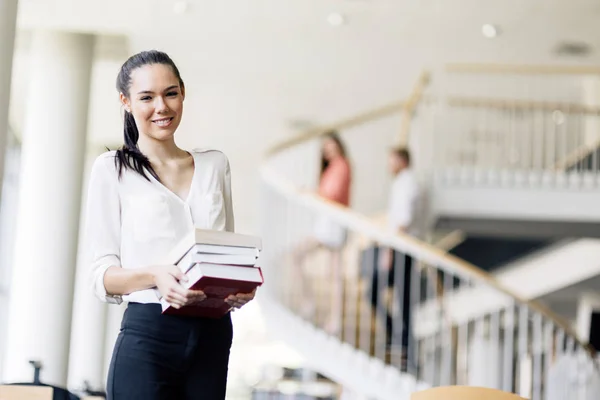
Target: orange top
335,181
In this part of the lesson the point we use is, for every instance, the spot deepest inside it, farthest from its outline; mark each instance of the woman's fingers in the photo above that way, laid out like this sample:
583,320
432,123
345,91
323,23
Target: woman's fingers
177,274
195,296
176,296
179,297
240,300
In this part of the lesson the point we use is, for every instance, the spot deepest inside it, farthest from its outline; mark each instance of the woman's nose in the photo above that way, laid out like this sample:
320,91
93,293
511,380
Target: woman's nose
161,105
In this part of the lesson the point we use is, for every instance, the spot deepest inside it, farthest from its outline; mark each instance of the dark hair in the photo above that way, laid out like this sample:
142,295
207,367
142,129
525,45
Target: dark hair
130,156
332,135
403,153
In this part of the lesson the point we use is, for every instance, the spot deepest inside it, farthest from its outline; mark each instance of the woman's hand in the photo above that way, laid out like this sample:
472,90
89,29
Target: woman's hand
240,299
167,280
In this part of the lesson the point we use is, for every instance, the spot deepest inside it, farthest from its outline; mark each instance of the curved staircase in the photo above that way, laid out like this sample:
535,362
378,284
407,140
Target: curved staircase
467,328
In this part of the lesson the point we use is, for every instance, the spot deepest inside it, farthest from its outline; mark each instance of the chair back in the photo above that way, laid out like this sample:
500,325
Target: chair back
16,392
464,393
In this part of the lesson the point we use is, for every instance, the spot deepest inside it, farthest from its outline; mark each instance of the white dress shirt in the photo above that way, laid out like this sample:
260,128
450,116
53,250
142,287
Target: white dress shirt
404,208
134,223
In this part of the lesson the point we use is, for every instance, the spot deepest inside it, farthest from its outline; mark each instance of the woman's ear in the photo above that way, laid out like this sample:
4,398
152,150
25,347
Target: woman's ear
125,102
183,92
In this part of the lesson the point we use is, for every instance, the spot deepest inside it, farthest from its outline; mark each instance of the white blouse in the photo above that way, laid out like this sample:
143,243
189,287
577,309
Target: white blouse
404,207
134,223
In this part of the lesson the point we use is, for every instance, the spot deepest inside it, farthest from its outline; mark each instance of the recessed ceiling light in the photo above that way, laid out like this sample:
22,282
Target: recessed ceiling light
489,31
336,19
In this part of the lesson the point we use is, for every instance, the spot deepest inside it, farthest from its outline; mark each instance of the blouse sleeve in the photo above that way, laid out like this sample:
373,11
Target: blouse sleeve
229,219
103,227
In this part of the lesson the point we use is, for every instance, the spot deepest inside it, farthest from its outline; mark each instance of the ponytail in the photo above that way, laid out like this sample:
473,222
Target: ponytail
130,156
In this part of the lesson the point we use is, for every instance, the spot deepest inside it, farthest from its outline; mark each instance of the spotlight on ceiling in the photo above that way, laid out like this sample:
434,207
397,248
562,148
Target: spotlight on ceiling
336,19
489,31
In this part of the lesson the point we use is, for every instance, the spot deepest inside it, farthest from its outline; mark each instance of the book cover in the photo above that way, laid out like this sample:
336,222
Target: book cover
218,282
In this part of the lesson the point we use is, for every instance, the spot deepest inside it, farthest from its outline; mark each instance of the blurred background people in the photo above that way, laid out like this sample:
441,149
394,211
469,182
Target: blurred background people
335,181
394,269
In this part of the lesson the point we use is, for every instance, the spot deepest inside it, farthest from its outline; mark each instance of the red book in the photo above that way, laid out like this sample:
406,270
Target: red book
218,282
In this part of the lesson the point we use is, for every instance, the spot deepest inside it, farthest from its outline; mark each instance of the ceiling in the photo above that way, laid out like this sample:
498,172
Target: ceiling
449,27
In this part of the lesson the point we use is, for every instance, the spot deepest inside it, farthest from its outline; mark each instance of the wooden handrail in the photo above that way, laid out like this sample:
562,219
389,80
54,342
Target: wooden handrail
577,155
464,393
351,122
451,240
411,104
509,69
514,104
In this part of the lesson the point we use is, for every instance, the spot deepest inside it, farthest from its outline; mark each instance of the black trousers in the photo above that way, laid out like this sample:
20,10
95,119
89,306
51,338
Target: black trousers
400,278
165,357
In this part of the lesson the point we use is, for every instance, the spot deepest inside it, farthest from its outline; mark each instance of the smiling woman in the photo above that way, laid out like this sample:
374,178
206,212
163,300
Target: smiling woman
152,93
143,198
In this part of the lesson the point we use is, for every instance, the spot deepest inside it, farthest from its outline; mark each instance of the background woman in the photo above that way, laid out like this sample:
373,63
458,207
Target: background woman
334,185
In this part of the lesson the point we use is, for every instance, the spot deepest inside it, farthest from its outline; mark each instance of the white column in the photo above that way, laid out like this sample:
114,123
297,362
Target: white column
89,339
86,355
8,24
54,140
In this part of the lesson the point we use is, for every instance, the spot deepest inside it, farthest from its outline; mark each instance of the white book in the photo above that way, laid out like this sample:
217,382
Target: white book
192,258
231,259
224,238
212,238
219,249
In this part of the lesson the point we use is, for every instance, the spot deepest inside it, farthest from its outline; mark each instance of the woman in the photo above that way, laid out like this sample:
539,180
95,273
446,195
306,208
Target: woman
143,198
334,185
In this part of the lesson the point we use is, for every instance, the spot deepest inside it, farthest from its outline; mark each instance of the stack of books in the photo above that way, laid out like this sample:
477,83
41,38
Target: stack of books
220,264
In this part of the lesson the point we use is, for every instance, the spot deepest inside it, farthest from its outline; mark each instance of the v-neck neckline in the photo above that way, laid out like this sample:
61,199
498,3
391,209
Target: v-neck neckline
172,193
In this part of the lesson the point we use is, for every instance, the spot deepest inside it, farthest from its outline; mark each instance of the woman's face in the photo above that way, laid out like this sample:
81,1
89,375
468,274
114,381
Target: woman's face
330,149
155,100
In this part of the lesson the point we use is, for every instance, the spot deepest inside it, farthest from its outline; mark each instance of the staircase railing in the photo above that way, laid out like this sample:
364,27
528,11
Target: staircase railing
515,125
519,346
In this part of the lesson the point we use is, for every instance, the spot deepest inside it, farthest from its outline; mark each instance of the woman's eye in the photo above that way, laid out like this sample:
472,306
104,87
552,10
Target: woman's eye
146,98
171,94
